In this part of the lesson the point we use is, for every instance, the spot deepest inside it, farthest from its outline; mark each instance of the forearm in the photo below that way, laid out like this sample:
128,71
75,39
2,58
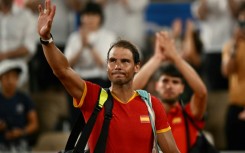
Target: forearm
75,57
199,98
167,143
145,73
192,78
233,7
229,66
32,125
55,59
228,59
202,10
18,52
97,58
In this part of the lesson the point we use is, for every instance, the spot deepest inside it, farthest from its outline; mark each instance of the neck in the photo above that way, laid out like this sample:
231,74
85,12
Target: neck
8,94
124,92
168,107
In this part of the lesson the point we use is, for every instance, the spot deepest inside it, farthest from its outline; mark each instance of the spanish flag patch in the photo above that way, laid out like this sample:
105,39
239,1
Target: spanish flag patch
144,119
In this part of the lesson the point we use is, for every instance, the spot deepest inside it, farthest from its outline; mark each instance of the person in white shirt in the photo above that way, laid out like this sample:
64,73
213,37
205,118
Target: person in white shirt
17,35
126,19
86,49
216,21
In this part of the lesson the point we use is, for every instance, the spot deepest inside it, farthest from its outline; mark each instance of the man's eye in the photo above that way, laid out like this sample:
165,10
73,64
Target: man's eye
125,61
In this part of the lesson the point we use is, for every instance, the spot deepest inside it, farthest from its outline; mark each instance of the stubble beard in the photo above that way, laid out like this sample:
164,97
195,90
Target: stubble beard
170,101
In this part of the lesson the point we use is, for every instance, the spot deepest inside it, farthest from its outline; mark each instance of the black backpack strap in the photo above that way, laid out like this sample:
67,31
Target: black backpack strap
81,144
101,143
186,118
76,130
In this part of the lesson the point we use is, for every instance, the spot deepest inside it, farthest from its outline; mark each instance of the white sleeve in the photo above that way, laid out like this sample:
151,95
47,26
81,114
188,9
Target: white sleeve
73,45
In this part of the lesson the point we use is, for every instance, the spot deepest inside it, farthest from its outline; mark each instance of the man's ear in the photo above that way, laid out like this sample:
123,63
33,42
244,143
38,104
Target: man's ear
156,86
137,68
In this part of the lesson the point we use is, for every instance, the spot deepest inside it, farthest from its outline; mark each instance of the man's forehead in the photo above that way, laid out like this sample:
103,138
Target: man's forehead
165,76
119,52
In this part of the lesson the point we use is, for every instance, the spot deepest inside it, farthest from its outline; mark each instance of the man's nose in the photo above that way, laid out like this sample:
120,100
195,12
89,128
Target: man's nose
168,85
118,65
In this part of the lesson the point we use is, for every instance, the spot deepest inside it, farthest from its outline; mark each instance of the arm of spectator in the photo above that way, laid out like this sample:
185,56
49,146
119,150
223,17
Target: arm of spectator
56,59
199,97
32,125
166,142
2,125
97,58
102,2
135,6
30,128
32,5
233,5
148,69
200,9
75,5
190,51
15,53
228,59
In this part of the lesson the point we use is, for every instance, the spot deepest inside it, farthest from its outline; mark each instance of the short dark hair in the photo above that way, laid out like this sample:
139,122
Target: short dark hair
93,8
127,45
169,69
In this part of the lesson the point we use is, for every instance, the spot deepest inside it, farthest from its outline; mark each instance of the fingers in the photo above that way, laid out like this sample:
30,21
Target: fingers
53,11
165,38
40,9
47,7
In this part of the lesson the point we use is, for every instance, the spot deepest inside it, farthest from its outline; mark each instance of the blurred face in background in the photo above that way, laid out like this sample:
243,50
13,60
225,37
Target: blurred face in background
9,82
91,21
169,88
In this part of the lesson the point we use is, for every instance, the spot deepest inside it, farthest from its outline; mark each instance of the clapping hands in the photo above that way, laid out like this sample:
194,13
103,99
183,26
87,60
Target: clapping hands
165,47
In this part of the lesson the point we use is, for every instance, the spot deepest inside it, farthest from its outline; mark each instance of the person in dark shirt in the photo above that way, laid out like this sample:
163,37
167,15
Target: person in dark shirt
18,117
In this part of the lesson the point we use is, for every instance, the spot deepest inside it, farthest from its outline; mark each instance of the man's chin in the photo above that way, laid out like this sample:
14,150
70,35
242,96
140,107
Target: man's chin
170,101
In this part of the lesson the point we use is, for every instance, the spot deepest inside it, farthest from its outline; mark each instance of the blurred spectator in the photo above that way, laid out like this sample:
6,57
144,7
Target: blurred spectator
215,18
65,21
86,49
233,67
126,19
177,32
51,97
17,35
172,71
192,49
18,118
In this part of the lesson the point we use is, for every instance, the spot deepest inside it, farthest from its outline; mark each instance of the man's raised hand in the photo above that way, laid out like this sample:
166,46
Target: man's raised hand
45,19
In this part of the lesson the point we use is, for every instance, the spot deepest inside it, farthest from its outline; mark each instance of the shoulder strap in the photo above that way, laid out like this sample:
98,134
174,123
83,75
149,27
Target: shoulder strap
75,132
146,97
86,128
101,143
187,129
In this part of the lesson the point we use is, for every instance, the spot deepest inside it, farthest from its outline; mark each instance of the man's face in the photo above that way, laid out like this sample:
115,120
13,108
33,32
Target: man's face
9,81
121,67
169,88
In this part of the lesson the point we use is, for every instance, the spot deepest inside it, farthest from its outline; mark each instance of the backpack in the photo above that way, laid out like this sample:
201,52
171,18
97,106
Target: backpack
78,145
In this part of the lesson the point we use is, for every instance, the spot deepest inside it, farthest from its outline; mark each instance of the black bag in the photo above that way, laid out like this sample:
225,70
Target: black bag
201,145
80,126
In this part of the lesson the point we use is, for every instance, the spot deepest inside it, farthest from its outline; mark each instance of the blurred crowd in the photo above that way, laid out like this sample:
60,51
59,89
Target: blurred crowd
211,41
